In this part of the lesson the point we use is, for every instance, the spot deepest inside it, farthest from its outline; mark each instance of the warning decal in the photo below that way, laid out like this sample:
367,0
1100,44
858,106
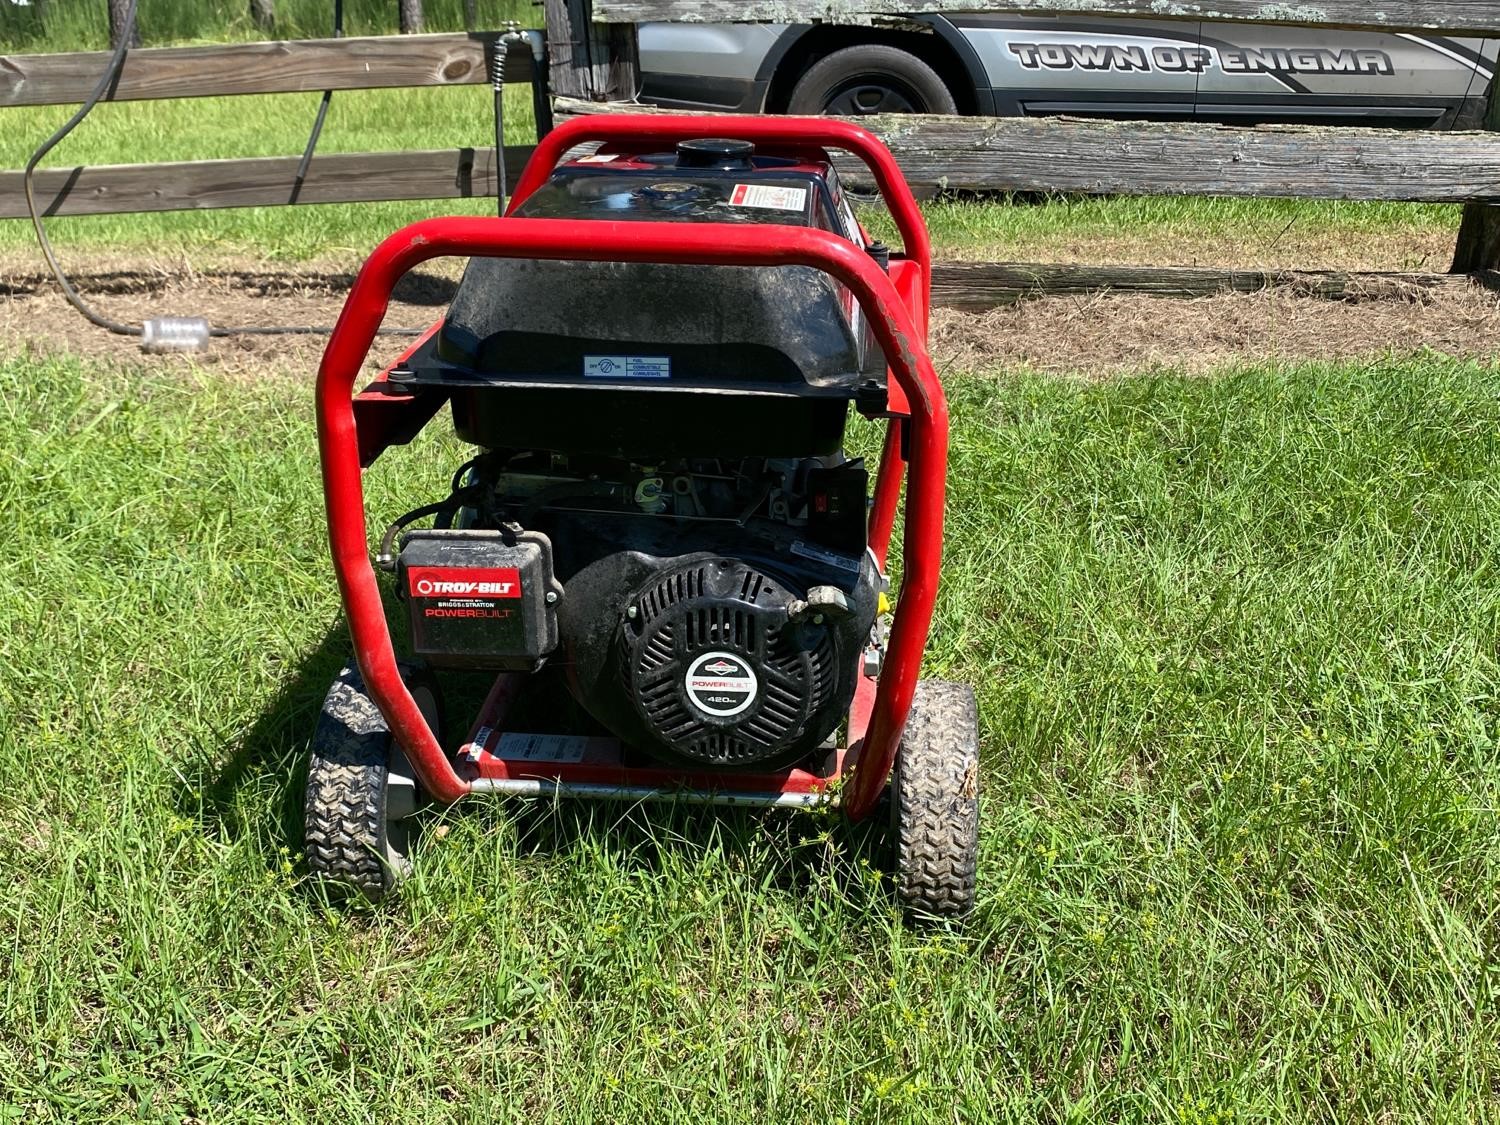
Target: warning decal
774,198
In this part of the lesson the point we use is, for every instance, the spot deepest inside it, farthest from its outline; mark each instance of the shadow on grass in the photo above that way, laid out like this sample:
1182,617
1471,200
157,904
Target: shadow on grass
267,760
265,774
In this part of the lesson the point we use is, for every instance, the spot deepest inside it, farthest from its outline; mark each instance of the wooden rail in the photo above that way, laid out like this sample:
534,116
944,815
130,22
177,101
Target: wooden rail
959,154
981,286
1142,158
355,177
284,67
1453,17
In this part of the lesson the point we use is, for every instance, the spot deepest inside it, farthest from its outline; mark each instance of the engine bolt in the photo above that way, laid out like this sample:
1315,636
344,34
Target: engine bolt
632,613
551,598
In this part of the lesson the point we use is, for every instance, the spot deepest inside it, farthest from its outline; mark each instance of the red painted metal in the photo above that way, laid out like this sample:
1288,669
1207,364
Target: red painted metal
797,133
384,419
497,703
887,492
606,772
887,498
860,711
899,334
600,762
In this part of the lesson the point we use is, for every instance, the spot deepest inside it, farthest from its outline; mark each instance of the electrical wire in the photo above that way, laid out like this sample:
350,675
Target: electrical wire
116,60
323,104
106,81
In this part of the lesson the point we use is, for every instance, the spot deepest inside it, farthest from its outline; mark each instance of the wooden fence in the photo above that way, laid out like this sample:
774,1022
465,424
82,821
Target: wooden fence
937,153
294,67
1453,17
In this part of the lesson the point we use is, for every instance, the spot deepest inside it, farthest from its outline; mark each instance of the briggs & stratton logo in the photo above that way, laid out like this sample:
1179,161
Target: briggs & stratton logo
721,684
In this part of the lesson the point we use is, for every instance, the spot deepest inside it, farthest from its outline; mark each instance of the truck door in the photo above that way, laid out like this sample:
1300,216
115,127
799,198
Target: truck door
1259,73
1038,65
1482,54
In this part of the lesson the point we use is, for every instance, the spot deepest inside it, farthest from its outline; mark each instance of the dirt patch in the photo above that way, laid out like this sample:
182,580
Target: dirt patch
1092,336
1115,334
34,315
1412,250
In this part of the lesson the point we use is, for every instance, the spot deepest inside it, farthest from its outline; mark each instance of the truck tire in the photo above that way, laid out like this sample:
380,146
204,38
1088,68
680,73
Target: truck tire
935,803
871,78
355,845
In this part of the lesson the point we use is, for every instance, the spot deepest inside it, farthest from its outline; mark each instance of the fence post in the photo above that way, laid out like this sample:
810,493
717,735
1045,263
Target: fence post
593,61
263,14
1479,234
117,11
409,13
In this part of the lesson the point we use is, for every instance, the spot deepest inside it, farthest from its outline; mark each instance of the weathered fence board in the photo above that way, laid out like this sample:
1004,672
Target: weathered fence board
980,286
1150,158
287,67
1475,17
355,177
589,60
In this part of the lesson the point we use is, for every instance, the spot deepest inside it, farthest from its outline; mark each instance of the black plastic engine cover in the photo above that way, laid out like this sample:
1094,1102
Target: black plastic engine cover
478,599
705,668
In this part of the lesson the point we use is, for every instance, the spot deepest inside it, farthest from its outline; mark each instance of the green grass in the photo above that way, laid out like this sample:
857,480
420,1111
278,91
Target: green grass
1183,230
1234,643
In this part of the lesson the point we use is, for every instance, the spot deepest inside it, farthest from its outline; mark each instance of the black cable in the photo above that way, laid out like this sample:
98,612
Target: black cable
106,81
317,129
503,45
541,91
111,72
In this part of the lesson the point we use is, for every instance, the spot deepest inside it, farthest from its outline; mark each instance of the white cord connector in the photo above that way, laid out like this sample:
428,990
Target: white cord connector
174,334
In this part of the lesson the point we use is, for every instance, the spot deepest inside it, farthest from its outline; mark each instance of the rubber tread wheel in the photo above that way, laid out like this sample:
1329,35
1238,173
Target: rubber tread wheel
870,78
935,802
346,836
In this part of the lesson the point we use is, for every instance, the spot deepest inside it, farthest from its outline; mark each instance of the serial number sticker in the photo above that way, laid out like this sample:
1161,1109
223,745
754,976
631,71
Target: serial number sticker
542,747
599,158
768,197
809,551
476,746
627,367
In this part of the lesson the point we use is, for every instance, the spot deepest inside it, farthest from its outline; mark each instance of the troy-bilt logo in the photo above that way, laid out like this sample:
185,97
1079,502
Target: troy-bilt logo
427,587
463,582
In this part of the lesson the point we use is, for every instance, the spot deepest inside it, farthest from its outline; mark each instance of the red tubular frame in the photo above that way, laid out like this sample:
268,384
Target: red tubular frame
899,330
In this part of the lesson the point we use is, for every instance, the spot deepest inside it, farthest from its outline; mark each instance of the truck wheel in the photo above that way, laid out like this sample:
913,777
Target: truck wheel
935,802
359,790
872,78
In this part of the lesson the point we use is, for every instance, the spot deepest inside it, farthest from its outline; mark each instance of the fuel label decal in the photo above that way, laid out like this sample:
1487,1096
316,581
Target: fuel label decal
769,197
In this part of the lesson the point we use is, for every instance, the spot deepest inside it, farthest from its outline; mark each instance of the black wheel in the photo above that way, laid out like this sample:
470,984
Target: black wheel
935,802
872,78
359,792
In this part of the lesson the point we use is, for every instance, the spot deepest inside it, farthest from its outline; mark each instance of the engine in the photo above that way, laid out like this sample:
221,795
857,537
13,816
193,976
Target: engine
706,612
662,513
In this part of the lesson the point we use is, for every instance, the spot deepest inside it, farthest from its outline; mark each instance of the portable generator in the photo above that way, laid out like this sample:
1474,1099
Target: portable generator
654,354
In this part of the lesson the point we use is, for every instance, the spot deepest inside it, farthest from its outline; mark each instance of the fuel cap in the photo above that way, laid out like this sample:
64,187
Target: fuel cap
715,152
